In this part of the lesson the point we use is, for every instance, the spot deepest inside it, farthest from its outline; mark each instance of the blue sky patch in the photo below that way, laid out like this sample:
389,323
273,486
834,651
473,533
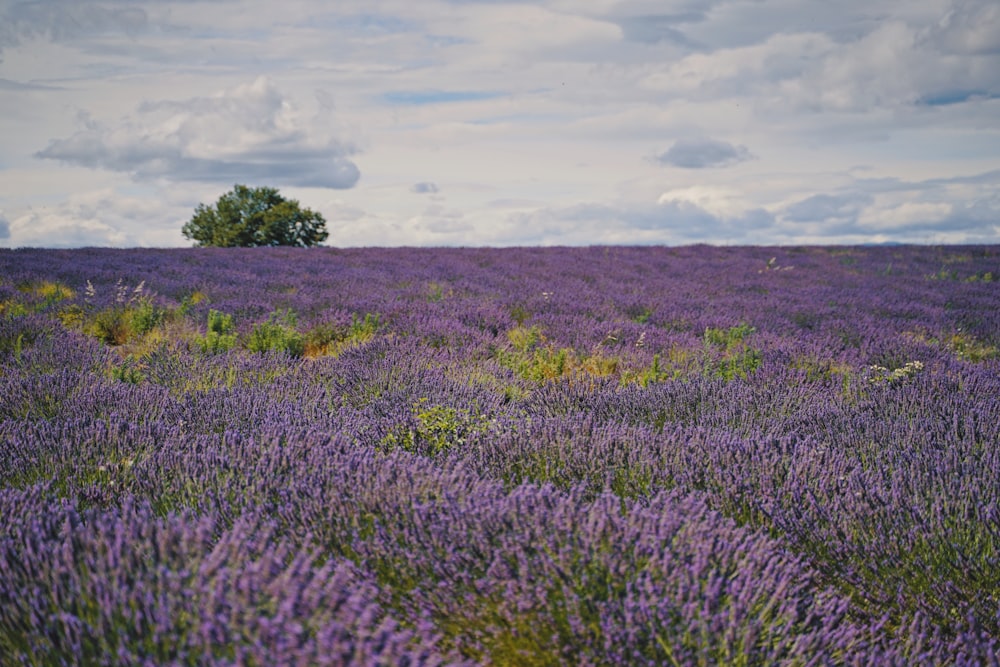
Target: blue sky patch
956,97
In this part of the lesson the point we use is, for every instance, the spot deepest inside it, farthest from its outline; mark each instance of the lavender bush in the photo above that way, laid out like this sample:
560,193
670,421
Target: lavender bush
561,456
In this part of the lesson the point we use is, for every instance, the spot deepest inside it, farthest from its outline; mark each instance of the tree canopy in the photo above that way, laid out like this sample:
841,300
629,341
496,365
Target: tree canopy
251,217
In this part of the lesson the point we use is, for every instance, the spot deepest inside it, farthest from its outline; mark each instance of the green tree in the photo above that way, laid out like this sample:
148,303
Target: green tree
250,217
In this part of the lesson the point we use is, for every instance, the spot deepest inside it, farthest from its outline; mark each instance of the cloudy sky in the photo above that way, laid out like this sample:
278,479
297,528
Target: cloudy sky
485,122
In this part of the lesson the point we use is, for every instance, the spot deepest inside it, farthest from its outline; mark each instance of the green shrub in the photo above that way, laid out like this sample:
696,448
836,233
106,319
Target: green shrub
727,354
129,371
327,339
655,373
728,338
277,333
533,357
189,302
363,329
130,316
11,308
111,326
219,337
438,429
146,317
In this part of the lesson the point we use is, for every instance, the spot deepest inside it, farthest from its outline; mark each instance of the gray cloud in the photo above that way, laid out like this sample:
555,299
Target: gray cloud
954,210
664,222
17,86
962,209
424,187
655,28
4,228
971,27
943,59
738,24
824,207
804,59
249,133
702,153
980,215
64,20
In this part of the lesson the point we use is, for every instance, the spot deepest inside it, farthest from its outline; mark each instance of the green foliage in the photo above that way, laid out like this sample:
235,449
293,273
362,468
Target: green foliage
327,339
968,348
277,333
952,274
251,217
639,314
724,353
820,370
730,338
675,363
727,354
38,297
654,373
189,302
525,339
72,316
130,371
739,365
944,274
132,315
437,292
13,308
111,326
46,293
219,323
219,337
364,328
519,314
146,317
438,429
16,347
534,358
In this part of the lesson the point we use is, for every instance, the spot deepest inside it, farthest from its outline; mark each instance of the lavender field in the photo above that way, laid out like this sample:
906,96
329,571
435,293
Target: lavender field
560,456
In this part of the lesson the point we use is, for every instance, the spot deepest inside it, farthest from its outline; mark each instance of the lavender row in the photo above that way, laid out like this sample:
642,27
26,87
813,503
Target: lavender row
131,587
533,575
838,297
568,456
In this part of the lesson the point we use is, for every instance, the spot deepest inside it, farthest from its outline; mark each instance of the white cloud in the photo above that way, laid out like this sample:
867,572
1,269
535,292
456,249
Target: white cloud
721,202
98,218
503,34
339,210
439,220
905,215
733,72
248,133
